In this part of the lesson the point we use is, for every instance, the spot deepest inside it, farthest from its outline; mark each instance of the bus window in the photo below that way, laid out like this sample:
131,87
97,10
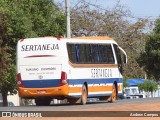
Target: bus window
106,54
118,56
82,53
110,57
94,49
100,54
77,53
71,53
88,53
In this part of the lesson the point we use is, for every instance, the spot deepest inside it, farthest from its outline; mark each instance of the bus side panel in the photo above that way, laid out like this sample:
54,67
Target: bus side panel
99,81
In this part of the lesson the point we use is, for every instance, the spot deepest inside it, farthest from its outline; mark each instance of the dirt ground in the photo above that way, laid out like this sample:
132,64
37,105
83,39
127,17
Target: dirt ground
84,118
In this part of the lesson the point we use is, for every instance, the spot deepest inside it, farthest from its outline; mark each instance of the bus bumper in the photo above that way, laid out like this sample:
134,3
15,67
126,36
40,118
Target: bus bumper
43,92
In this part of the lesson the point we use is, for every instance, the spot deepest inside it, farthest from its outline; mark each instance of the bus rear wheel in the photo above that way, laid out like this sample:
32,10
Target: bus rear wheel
82,100
84,95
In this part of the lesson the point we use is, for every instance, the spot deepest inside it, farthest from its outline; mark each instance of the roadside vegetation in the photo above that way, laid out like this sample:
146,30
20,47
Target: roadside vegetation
148,86
24,19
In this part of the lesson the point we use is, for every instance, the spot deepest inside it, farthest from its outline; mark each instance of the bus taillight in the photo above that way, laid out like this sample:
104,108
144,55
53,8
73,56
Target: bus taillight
63,80
19,80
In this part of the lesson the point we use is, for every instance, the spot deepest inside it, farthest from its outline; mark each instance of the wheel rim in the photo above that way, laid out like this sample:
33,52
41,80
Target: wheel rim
84,95
113,93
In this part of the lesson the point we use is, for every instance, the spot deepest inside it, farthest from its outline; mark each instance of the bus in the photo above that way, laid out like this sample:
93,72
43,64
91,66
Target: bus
73,69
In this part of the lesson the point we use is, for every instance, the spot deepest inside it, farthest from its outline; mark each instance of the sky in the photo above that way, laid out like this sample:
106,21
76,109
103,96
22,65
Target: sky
138,8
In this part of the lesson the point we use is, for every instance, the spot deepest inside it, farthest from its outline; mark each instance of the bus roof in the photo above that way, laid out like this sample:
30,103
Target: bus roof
94,38
82,38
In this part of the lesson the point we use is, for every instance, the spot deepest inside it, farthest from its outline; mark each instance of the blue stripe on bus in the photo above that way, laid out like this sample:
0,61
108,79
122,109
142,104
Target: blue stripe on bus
55,82
94,81
41,83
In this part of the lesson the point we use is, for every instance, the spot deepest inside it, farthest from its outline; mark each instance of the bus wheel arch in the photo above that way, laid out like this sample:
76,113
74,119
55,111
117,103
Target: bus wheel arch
116,87
85,83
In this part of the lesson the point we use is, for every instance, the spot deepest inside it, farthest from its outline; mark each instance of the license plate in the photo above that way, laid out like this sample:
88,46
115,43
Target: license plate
41,91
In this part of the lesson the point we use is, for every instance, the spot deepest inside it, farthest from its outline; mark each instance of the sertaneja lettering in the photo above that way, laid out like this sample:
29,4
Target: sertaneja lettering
40,47
101,73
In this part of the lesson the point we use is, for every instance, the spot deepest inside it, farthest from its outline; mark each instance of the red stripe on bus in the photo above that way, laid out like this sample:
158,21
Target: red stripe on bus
39,56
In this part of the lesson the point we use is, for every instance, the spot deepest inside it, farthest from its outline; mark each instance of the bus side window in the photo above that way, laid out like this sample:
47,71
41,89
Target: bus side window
77,53
100,56
103,55
71,52
95,53
88,53
110,57
106,54
82,53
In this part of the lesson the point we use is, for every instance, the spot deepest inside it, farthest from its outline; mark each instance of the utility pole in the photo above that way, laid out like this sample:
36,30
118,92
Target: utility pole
67,4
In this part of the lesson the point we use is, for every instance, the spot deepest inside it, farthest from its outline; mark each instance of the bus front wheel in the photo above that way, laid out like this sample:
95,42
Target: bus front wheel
114,94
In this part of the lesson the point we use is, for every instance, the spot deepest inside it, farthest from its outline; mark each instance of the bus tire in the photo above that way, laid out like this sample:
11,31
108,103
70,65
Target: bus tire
114,94
84,95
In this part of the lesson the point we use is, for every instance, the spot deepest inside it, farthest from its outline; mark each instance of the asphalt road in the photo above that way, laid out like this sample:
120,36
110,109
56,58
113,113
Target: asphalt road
90,106
120,110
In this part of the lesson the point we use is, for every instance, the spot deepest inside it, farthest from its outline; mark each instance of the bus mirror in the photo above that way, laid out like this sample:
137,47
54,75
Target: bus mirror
124,55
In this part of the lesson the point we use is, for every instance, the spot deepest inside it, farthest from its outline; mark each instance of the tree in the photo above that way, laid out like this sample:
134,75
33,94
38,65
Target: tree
148,86
150,58
91,20
9,83
24,19
125,84
32,18
7,69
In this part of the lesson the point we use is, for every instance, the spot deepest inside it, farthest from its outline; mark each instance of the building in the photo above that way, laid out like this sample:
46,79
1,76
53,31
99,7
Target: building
132,91
13,100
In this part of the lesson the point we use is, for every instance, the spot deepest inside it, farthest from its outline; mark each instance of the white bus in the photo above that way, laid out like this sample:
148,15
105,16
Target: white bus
74,69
